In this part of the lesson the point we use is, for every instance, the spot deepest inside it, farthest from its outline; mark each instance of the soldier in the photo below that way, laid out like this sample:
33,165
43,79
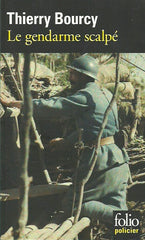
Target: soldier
106,188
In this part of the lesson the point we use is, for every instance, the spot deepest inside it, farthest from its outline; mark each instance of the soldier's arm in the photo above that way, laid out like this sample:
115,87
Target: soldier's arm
55,107
59,107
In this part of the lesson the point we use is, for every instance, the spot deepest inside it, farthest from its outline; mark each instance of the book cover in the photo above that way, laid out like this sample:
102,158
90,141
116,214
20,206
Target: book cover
72,160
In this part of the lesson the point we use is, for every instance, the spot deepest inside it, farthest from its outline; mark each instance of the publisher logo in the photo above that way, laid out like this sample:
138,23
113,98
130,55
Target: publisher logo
126,225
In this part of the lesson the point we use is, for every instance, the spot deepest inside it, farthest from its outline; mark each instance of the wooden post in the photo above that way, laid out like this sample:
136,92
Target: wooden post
9,234
24,180
35,191
76,229
66,225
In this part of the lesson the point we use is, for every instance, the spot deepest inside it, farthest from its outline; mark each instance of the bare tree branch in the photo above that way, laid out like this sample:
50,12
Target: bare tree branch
36,134
18,75
13,77
137,113
25,143
80,131
41,151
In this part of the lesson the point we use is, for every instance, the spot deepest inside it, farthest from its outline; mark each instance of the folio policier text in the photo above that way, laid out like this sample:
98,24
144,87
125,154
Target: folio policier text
59,18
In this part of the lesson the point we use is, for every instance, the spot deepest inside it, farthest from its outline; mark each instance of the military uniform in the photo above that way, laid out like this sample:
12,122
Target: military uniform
106,189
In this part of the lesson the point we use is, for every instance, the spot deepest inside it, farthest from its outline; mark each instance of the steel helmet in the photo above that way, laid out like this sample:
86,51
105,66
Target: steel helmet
86,65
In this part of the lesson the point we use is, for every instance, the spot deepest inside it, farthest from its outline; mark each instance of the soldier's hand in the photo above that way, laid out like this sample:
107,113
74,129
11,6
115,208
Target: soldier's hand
57,144
7,102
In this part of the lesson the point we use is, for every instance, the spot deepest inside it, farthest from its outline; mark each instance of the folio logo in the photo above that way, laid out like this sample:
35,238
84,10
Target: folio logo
126,225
